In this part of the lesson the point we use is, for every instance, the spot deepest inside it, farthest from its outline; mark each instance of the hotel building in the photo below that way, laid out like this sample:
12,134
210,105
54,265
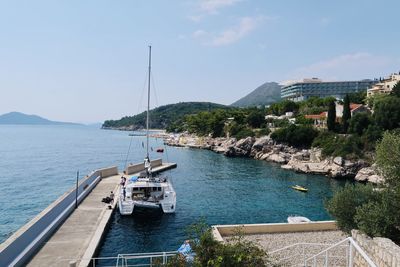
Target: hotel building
298,91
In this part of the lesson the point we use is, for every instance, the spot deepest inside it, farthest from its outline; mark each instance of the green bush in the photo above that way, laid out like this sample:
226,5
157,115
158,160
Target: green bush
359,123
349,147
381,217
344,203
262,132
387,112
235,253
298,136
388,157
243,133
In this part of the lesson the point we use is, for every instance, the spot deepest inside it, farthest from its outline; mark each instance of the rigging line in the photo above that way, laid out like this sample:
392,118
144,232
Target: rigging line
127,154
154,90
137,112
142,94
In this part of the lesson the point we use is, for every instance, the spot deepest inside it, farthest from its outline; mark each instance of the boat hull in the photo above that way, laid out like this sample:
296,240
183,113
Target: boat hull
128,208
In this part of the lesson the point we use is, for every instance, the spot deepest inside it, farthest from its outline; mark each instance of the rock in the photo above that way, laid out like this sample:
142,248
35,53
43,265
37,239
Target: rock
315,155
338,161
276,158
261,142
369,174
364,173
287,167
375,179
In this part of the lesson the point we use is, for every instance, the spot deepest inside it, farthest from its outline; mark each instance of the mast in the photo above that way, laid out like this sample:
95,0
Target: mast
148,107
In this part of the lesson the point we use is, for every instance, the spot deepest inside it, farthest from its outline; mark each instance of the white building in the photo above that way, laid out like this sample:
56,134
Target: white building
385,86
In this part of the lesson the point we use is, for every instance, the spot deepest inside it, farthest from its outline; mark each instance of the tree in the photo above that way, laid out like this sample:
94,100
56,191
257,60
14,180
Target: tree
346,113
344,203
359,123
381,217
358,97
387,112
388,158
255,118
298,136
396,90
331,120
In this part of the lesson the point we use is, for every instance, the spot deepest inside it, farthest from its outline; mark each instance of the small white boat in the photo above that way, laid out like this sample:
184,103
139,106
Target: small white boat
298,219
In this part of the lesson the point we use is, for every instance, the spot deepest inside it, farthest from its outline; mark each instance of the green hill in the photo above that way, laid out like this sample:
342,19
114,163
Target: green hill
265,94
161,117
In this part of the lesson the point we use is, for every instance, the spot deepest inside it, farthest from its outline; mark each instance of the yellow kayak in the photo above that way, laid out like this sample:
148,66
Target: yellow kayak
300,188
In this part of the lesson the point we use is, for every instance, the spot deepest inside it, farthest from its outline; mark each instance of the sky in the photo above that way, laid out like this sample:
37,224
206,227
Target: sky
86,60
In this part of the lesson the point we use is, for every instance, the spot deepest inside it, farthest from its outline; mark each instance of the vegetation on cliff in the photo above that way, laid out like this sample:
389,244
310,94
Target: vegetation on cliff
374,212
164,116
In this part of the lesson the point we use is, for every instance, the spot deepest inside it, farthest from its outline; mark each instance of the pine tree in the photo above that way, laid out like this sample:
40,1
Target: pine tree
396,90
331,120
346,114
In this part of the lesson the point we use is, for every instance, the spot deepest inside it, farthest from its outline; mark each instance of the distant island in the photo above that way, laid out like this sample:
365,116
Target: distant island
21,118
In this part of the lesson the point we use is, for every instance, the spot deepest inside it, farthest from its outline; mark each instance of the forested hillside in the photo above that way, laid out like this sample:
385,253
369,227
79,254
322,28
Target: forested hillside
162,117
263,95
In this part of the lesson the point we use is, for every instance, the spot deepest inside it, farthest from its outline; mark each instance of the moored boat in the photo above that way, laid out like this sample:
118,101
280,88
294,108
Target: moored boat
298,219
146,191
300,188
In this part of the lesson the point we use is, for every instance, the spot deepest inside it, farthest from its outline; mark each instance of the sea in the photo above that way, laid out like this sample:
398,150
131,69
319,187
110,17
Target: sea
39,163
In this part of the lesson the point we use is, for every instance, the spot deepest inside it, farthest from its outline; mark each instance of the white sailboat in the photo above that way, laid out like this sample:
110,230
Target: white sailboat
147,191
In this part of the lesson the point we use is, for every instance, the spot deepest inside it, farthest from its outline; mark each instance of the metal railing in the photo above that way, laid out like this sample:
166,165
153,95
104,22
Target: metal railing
321,254
323,257
134,260
297,254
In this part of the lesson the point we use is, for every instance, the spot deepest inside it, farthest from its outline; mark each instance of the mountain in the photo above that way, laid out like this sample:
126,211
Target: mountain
21,118
265,94
161,117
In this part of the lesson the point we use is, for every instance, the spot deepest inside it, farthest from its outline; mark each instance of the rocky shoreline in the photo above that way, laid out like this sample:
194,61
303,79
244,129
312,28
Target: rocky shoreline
308,161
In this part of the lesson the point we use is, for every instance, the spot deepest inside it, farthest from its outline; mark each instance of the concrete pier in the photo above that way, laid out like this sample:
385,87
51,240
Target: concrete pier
78,236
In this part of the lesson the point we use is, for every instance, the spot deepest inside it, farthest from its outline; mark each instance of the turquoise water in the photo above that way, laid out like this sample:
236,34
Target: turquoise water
39,163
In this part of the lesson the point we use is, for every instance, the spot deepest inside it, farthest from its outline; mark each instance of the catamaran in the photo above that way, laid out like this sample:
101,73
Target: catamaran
147,191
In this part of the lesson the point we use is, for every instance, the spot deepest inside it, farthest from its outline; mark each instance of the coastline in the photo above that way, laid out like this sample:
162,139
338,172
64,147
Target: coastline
309,161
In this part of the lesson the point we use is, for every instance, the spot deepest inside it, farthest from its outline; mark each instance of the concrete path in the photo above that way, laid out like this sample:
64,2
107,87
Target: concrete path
79,236
72,239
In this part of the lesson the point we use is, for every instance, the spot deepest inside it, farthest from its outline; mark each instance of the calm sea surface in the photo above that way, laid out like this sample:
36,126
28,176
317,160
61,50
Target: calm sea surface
39,163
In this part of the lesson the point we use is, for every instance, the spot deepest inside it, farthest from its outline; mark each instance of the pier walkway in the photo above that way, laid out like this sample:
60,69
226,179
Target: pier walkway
79,236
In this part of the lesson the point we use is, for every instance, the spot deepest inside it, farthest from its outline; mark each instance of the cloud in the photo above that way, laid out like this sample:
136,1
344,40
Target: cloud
229,36
359,65
199,34
212,6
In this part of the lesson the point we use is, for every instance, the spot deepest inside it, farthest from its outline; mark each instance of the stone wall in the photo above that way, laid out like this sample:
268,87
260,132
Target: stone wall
382,251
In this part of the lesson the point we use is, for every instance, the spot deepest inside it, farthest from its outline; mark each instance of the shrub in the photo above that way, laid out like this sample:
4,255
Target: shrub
359,123
236,253
387,112
344,203
381,217
298,136
388,158
332,144
263,132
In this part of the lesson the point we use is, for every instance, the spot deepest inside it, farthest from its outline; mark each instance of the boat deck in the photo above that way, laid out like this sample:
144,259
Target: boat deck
79,236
